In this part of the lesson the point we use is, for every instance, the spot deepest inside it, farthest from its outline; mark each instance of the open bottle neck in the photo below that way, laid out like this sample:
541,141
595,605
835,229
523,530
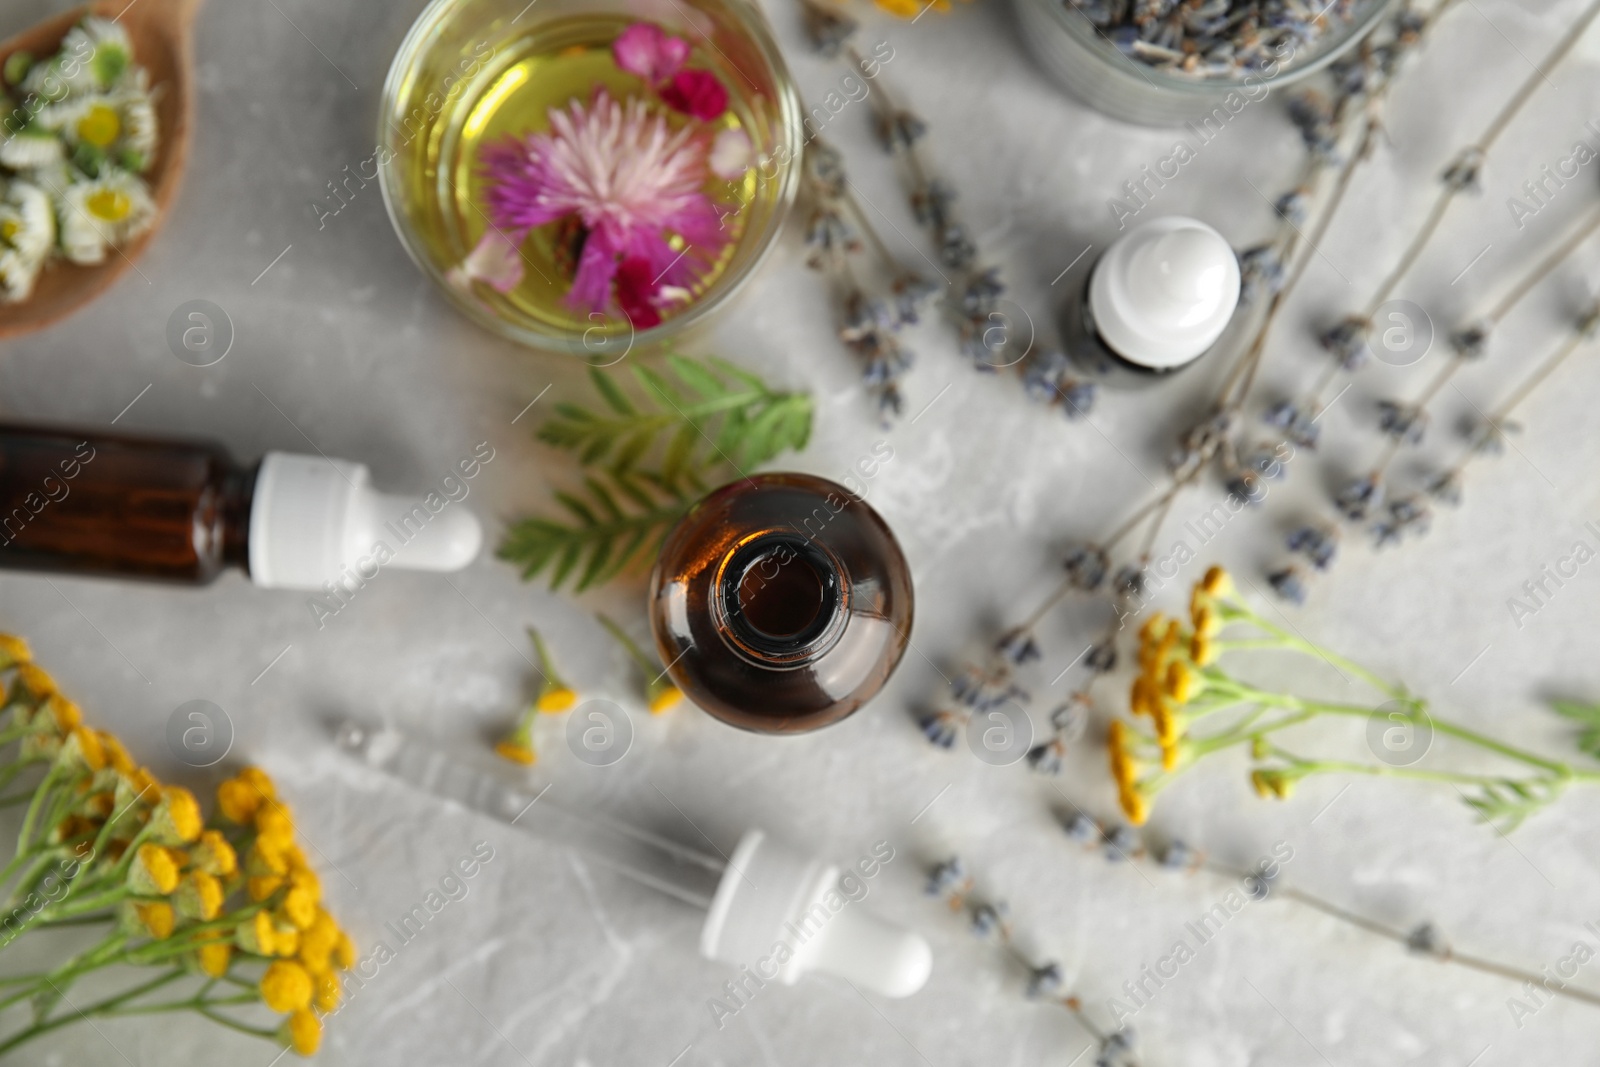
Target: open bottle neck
779,599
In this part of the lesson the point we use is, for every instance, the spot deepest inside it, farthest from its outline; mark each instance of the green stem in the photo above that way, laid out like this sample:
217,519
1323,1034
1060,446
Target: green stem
195,1003
1308,767
25,835
1460,733
649,667
1234,610
552,679
234,1024
104,1007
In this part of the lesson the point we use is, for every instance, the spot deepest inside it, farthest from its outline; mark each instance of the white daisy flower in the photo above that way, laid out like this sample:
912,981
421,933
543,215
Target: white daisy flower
27,221
31,147
119,126
17,276
95,56
97,213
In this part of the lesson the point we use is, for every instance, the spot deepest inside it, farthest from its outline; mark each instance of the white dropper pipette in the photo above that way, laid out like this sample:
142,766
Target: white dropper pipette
767,893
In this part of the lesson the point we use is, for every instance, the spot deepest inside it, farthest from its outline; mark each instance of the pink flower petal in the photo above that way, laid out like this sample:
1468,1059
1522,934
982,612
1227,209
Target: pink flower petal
697,93
495,260
638,292
643,49
730,153
591,287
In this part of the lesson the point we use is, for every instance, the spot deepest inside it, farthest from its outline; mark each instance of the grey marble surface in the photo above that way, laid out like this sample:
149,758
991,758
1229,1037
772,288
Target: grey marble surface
342,344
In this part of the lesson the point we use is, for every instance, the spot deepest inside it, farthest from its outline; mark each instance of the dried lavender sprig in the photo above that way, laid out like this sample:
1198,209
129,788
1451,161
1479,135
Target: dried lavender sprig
975,292
1446,488
1463,172
869,325
949,881
1469,344
1423,939
1365,498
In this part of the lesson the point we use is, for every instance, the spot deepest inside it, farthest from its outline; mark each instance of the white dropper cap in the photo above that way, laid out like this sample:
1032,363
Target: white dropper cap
1162,294
773,895
314,520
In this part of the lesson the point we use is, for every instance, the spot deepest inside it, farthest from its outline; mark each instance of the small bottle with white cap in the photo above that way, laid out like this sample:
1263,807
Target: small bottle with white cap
1155,301
117,505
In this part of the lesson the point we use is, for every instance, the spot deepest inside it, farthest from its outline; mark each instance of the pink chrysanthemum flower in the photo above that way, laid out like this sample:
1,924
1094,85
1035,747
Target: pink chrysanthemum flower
630,180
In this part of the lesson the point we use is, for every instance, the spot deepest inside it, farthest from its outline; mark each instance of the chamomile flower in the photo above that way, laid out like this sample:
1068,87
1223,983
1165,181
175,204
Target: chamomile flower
28,232
102,212
27,221
30,147
96,55
119,127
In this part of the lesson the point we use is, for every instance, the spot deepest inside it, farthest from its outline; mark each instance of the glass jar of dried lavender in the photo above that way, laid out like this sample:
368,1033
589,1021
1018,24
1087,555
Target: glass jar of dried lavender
1202,62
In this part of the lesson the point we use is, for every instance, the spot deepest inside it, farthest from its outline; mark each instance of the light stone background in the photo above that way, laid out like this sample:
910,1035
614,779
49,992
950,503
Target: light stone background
547,961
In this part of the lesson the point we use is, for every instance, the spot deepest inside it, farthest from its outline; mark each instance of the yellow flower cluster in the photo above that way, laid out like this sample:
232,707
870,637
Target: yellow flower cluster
1170,663
290,927
232,897
910,9
1125,770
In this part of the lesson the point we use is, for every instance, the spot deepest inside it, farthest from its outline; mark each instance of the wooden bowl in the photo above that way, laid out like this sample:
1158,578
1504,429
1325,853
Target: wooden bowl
160,31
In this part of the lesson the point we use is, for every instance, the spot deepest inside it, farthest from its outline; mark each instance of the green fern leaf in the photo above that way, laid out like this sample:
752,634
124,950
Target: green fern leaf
705,414
612,523
1588,717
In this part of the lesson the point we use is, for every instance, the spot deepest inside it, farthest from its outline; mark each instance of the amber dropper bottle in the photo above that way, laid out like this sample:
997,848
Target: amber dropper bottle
184,511
781,603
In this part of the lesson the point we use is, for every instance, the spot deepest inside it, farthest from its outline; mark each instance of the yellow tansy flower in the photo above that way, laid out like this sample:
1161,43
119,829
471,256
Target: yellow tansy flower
273,823
36,681
63,712
117,757
260,781
285,939
302,1032
318,943
82,750
326,996
257,935
1133,805
176,819
555,698
214,958
154,872
516,751
300,906
1217,582
13,651
1180,682
344,953
285,987
156,918
267,856
214,855
199,896
238,801
1202,651
663,697
263,886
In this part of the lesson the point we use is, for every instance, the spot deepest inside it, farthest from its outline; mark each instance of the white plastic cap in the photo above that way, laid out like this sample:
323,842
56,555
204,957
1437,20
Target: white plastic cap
772,895
313,520
1163,293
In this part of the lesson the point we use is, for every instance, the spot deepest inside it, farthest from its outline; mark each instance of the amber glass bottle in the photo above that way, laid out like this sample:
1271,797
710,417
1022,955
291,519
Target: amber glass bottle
95,503
114,505
781,603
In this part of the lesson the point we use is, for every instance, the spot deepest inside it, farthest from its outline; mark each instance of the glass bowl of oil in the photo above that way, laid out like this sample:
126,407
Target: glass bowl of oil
473,73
